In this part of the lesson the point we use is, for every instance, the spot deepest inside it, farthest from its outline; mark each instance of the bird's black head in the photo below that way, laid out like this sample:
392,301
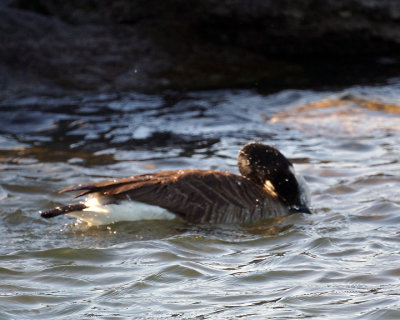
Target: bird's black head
269,168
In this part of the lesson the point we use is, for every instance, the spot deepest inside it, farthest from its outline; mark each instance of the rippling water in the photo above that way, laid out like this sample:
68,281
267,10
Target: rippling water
340,263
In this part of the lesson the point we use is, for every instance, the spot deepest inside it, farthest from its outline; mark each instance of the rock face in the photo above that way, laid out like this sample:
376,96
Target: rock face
179,44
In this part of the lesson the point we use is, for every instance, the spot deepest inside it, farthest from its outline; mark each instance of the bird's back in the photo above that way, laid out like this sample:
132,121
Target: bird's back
201,196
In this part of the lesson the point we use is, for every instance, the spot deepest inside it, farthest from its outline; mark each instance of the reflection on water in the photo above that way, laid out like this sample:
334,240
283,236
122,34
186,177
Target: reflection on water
341,261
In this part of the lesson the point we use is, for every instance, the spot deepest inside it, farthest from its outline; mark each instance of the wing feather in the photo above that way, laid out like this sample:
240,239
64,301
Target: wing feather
197,195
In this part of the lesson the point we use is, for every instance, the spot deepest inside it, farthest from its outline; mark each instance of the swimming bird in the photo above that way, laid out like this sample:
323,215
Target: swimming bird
268,187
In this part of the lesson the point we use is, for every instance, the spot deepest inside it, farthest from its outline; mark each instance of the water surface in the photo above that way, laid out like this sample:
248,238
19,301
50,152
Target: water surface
342,262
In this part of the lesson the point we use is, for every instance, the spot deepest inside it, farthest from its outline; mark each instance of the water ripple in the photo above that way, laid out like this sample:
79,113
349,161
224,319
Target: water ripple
339,263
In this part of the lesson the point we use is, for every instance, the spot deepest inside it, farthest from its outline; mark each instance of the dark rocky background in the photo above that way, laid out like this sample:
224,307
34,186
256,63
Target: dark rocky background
119,45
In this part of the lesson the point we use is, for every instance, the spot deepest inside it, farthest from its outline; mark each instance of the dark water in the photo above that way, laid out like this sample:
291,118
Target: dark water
343,262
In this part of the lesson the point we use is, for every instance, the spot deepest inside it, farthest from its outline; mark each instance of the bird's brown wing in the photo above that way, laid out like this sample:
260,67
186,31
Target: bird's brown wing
196,195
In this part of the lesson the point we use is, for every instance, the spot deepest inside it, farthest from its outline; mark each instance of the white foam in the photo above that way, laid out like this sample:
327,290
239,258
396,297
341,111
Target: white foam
97,213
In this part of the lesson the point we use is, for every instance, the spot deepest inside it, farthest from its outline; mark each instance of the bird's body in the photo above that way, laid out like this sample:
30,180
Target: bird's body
198,196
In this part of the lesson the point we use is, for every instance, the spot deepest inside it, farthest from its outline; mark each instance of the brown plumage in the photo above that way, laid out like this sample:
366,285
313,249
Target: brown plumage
195,195
267,188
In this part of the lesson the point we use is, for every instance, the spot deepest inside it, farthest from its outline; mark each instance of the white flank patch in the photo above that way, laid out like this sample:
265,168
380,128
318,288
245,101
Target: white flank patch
97,213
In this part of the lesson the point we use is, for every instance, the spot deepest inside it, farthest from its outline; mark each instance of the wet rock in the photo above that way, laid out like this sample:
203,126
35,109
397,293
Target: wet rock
147,45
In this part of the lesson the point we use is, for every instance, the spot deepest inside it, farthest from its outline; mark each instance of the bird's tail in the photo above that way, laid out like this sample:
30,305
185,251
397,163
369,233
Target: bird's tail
62,210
